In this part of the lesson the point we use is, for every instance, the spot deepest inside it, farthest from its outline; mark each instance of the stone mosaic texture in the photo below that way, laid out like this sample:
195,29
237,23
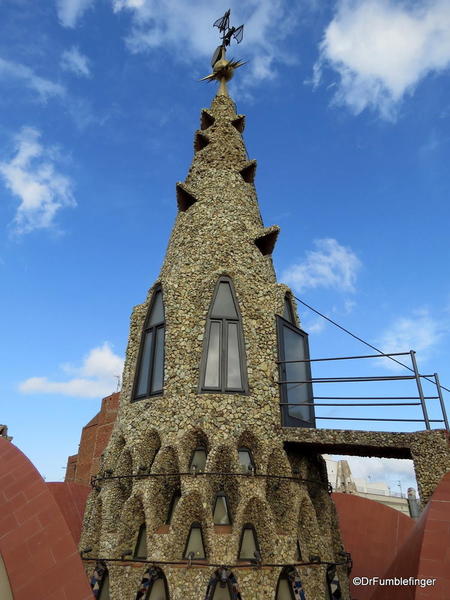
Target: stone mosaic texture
218,231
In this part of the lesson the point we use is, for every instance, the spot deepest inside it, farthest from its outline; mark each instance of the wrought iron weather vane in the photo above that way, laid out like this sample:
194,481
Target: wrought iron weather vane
223,69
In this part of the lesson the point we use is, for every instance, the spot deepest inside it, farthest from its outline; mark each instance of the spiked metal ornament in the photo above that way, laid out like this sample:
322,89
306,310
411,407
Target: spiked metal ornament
223,69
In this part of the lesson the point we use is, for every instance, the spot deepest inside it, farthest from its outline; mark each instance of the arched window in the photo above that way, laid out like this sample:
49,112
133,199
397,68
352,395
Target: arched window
288,310
333,585
153,585
150,371
221,513
140,549
198,460
223,366
223,585
195,548
249,547
295,370
289,585
298,552
173,504
246,461
100,582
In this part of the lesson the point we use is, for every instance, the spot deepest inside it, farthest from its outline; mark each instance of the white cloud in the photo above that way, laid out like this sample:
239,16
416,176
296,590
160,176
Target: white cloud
74,61
420,332
185,29
97,376
70,11
389,470
32,177
330,266
44,87
382,49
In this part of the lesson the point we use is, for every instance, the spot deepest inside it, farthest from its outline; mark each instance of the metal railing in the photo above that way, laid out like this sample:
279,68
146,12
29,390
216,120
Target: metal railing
420,400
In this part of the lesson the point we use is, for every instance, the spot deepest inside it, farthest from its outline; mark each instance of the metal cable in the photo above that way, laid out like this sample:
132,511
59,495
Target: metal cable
353,335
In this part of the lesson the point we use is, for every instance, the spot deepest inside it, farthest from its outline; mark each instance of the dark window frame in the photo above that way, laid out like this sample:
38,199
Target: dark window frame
287,419
151,366
141,533
290,309
102,584
284,577
217,583
196,449
223,345
252,460
175,498
166,586
195,525
222,494
255,535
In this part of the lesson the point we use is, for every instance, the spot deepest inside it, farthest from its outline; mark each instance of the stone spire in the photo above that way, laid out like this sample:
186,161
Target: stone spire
218,236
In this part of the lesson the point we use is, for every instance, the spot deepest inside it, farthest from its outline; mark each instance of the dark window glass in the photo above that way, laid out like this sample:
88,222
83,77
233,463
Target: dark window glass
212,375
288,312
198,459
223,361
150,371
221,514
194,546
223,305
249,544
140,550
245,460
104,588
158,591
296,395
173,504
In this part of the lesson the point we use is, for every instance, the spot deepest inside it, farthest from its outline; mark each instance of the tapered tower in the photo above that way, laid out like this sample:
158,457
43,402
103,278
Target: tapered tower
197,496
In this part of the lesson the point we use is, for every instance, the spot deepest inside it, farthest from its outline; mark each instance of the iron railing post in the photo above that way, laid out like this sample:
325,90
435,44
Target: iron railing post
441,400
420,390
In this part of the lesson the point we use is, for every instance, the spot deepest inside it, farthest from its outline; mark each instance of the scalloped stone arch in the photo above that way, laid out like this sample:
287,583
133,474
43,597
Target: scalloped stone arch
223,459
308,532
92,526
190,509
146,449
131,518
279,492
161,489
257,512
192,439
114,450
248,440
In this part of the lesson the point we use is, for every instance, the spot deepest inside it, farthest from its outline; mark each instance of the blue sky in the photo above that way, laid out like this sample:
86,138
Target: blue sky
348,115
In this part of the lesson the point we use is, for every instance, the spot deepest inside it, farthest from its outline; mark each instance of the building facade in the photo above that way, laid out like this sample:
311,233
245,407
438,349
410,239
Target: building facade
196,478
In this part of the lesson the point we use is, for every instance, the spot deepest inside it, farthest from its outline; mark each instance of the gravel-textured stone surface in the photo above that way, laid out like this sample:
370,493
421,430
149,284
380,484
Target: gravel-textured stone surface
214,236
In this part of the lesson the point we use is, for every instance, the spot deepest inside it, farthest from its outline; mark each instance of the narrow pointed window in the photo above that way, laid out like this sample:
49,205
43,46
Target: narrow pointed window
150,371
333,585
246,461
288,311
289,585
223,585
295,373
195,549
153,585
298,552
158,591
198,460
249,549
173,504
104,588
221,512
223,366
100,582
140,550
